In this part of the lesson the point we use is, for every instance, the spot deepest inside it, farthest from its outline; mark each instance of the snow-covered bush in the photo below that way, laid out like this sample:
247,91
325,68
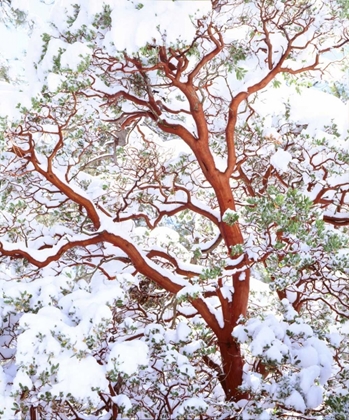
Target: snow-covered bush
174,212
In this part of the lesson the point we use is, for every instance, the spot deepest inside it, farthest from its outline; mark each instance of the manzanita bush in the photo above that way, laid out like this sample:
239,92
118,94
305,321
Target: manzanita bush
174,211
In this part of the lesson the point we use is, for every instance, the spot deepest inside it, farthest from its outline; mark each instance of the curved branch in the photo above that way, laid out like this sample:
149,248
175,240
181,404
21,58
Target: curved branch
63,187
162,277
174,262
340,219
208,57
144,265
56,251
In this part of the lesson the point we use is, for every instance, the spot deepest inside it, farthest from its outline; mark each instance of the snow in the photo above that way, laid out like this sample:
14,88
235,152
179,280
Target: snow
34,8
264,337
84,329
314,397
334,337
242,276
228,292
291,295
21,381
300,329
54,49
182,332
56,336
308,376
3,381
192,347
280,160
194,403
81,378
325,359
274,353
295,400
74,55
190,291
307,356
134,29
122,400
230,216
10,98
43,254
306,108
270,340
126,357
215,310
164,235
6,404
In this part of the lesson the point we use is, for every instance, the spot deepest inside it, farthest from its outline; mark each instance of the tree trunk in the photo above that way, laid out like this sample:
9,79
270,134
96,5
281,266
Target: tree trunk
232,364
232,360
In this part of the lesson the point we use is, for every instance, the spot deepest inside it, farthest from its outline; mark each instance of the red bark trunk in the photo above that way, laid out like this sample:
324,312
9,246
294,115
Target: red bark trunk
232,360
232,364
